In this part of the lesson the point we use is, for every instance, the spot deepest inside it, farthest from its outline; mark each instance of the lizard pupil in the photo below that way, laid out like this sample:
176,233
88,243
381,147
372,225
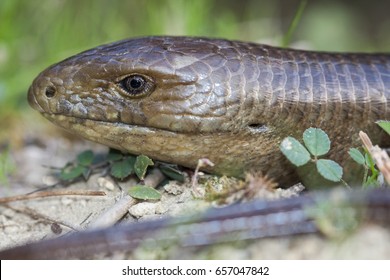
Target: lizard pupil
136,82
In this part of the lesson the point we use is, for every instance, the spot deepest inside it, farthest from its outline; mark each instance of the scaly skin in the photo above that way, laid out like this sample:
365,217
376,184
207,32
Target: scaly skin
231,102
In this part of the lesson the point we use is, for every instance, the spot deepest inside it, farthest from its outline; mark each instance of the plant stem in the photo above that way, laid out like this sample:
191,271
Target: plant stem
294,23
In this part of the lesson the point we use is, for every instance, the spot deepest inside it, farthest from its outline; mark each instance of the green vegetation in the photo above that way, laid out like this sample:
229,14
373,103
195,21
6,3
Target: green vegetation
120,166
369,166
82,167
141,164
294,24
144,193
385,125
317,144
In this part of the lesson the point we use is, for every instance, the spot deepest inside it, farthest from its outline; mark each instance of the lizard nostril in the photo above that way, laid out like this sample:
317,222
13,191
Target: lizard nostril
50,91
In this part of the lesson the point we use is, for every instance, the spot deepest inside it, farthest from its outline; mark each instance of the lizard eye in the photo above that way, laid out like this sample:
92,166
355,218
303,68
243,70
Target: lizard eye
136,85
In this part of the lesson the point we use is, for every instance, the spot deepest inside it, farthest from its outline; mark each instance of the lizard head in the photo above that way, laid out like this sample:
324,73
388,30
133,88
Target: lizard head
175,99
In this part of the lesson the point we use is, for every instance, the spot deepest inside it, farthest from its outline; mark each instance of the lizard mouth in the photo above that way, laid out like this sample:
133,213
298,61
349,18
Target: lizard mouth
76,123
158,144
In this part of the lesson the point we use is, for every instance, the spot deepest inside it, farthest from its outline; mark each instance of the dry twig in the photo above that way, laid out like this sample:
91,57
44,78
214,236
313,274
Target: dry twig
51,193
379,155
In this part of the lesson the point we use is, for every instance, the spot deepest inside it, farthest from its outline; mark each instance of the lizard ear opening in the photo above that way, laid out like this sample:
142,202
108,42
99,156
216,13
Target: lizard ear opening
257,127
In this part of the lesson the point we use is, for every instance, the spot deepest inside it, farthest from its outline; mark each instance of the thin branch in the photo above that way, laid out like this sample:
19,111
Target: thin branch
51,193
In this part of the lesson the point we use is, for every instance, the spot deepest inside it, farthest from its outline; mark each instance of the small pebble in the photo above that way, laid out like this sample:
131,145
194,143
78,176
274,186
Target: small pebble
105,183
56,228
142,209
49,180
174,188
162,208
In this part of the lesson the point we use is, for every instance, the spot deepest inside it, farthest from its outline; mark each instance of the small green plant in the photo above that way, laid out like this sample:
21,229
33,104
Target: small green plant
120,166
317,144
385,125
81,167
372,175
144,193
294,23
369,165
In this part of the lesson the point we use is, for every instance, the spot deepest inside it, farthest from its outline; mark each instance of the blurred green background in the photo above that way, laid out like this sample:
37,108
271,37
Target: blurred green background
35,34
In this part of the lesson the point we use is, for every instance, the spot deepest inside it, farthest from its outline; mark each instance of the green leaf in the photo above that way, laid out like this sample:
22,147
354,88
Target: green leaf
114,155
86,173
99,159
141,165
316,141
294,23
72,172
123,168
294,151
144,192
329,169
172,172
357,156
385,125
85,158
372,181
370,162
